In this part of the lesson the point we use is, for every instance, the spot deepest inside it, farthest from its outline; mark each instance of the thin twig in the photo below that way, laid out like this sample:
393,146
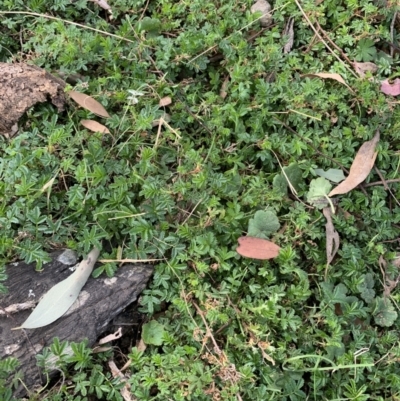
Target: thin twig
392,32
391,181
386,186
192,211
67,22
209,332
334,44
144,10
322,39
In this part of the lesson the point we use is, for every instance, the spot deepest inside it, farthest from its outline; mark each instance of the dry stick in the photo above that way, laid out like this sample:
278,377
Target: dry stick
15,308
392,32
209,335
386,186
292,188
208,330
192,211
129,260
334,44
144,10
68,22
322,39
391,181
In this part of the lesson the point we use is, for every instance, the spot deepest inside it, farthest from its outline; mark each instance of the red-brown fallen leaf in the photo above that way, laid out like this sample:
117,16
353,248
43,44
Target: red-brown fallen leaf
257,248
391,89
88,103
95,126
361,167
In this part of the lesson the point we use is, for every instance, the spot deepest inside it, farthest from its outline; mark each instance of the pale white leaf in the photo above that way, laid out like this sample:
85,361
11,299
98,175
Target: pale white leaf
61,297
102,4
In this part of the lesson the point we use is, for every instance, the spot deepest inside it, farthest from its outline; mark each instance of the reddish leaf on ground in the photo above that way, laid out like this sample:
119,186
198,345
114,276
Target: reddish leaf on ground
88,103
257,248
391,89
361,167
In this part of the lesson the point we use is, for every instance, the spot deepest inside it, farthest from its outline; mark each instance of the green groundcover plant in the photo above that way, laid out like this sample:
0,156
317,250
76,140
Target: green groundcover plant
244,111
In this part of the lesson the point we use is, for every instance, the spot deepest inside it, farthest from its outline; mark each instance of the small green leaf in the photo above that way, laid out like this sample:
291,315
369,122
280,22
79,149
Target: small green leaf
318,193
263,224
366,288
152,25
366,50
152,333
384,313
333,174
279,184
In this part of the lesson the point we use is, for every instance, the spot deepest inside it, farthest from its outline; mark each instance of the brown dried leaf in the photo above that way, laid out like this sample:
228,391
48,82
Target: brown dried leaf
224,87
328,75
126,390
165,101
289,32
363,68
257,248
332,236
361,167
95,126
88,103
141,346
111,337
391,89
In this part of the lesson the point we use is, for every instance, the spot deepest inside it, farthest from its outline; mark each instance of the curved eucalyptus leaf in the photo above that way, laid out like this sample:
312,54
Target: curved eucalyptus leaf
61,297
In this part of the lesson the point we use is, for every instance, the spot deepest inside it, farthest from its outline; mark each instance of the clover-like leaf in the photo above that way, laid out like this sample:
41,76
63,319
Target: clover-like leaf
366,288
152,333
384,312
263,224
318,193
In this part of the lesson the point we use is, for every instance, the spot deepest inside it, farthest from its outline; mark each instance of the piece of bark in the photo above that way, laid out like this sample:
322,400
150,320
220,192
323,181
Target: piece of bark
99,302
21,87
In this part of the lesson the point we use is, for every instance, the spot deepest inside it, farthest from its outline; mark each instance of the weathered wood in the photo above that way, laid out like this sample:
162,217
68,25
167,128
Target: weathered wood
100,301
21,87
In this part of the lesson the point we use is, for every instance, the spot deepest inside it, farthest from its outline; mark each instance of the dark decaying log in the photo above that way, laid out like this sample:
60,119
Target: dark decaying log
100,301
